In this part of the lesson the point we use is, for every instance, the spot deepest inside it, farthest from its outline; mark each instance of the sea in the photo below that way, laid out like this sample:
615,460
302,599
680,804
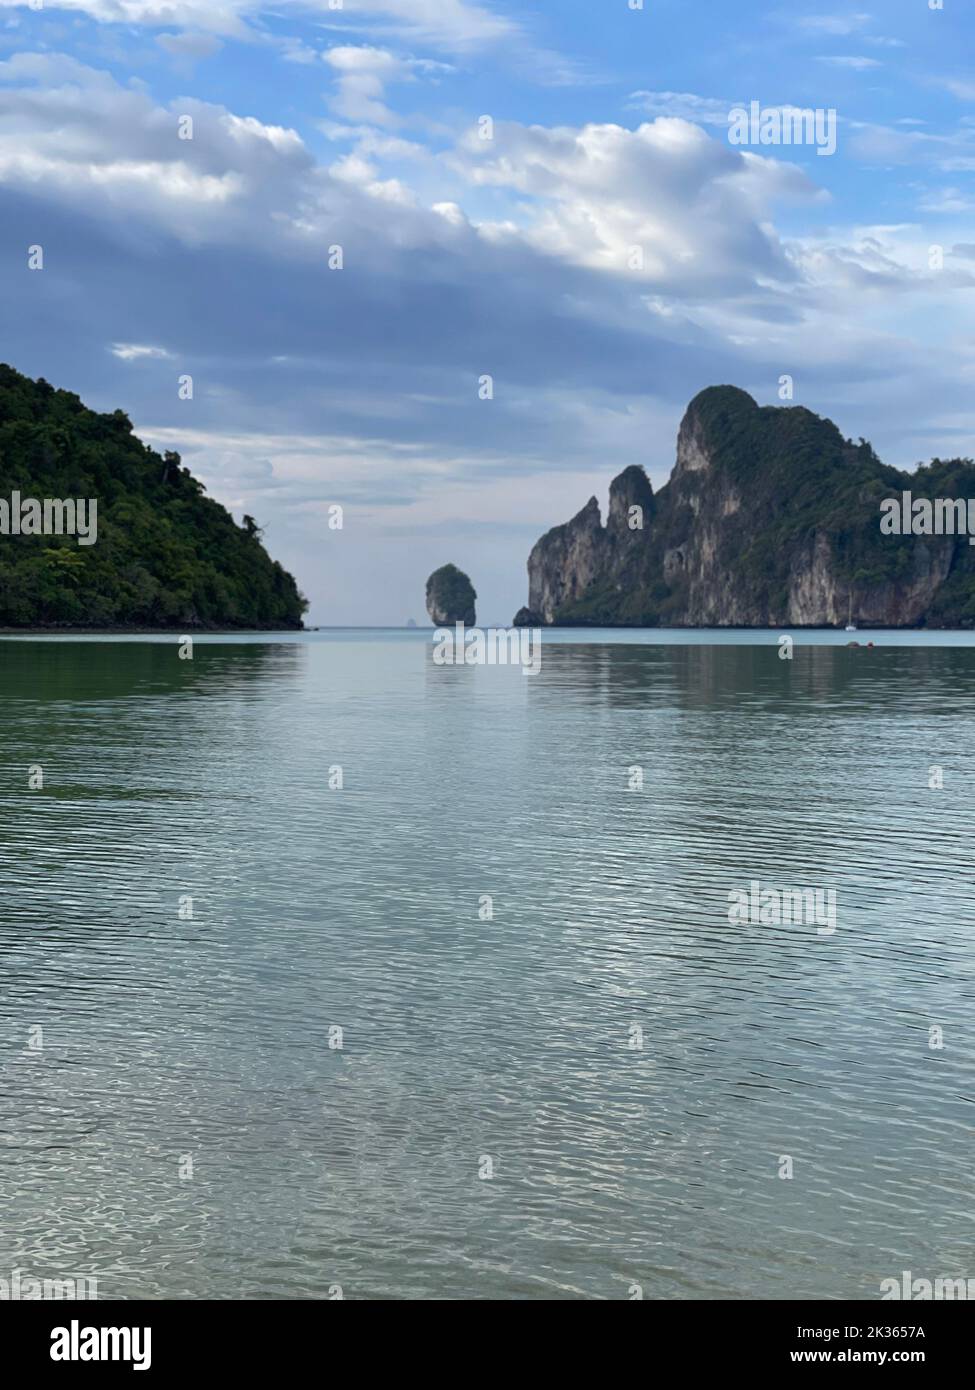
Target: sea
331,972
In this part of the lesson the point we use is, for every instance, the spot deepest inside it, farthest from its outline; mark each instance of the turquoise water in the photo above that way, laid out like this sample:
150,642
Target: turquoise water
201,1044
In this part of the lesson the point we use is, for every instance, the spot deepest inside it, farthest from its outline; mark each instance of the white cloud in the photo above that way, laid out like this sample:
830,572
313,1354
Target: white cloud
904,144
840,25
189,46
965,91
363,75
225,17
946,200
694,208
353,59
684,105
132,352
854,63
700,212
352,168
450,24
84,138
247,129
451,213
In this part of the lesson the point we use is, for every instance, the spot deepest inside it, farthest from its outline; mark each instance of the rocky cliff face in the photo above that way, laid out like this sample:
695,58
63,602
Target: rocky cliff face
770,518
565,563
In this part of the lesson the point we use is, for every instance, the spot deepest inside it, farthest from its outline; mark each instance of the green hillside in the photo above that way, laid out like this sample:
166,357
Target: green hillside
166,555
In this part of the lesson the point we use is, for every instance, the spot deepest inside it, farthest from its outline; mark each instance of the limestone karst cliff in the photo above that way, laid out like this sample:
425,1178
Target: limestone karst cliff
450,597
770,518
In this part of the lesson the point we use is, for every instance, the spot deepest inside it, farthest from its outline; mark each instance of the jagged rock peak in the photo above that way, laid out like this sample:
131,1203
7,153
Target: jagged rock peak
630,489
714,416
770,518
589,516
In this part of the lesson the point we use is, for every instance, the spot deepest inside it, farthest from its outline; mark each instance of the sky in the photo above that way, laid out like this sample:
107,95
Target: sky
487,169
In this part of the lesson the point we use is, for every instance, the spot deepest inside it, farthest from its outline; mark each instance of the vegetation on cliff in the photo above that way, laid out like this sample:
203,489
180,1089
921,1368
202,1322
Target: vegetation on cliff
450,597
166,556
769,517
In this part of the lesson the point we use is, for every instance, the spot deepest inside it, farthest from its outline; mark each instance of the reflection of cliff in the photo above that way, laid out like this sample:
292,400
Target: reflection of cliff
149,767
748,767
770,518
48,672
732,677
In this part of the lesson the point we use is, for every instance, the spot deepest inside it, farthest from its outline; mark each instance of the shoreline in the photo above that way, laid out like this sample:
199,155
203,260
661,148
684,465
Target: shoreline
134,630
71,629
177,633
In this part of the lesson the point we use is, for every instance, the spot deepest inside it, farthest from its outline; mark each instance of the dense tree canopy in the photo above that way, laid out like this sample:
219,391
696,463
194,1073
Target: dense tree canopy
166,555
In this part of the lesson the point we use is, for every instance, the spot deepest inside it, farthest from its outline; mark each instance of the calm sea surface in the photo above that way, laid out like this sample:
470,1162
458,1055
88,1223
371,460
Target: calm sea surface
490,1126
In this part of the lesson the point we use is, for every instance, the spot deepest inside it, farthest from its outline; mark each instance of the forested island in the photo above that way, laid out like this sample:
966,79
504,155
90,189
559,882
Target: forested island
166,555
770,518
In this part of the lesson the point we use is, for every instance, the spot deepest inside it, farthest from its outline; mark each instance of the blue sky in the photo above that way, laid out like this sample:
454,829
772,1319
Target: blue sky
358,125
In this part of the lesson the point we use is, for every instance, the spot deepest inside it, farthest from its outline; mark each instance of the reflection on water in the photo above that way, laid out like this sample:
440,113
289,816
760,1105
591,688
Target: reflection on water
174,1028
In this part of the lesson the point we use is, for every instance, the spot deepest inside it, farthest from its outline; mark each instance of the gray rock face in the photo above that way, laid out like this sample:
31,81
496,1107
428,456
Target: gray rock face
575,562
770,518
565,563
450,597
525,617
